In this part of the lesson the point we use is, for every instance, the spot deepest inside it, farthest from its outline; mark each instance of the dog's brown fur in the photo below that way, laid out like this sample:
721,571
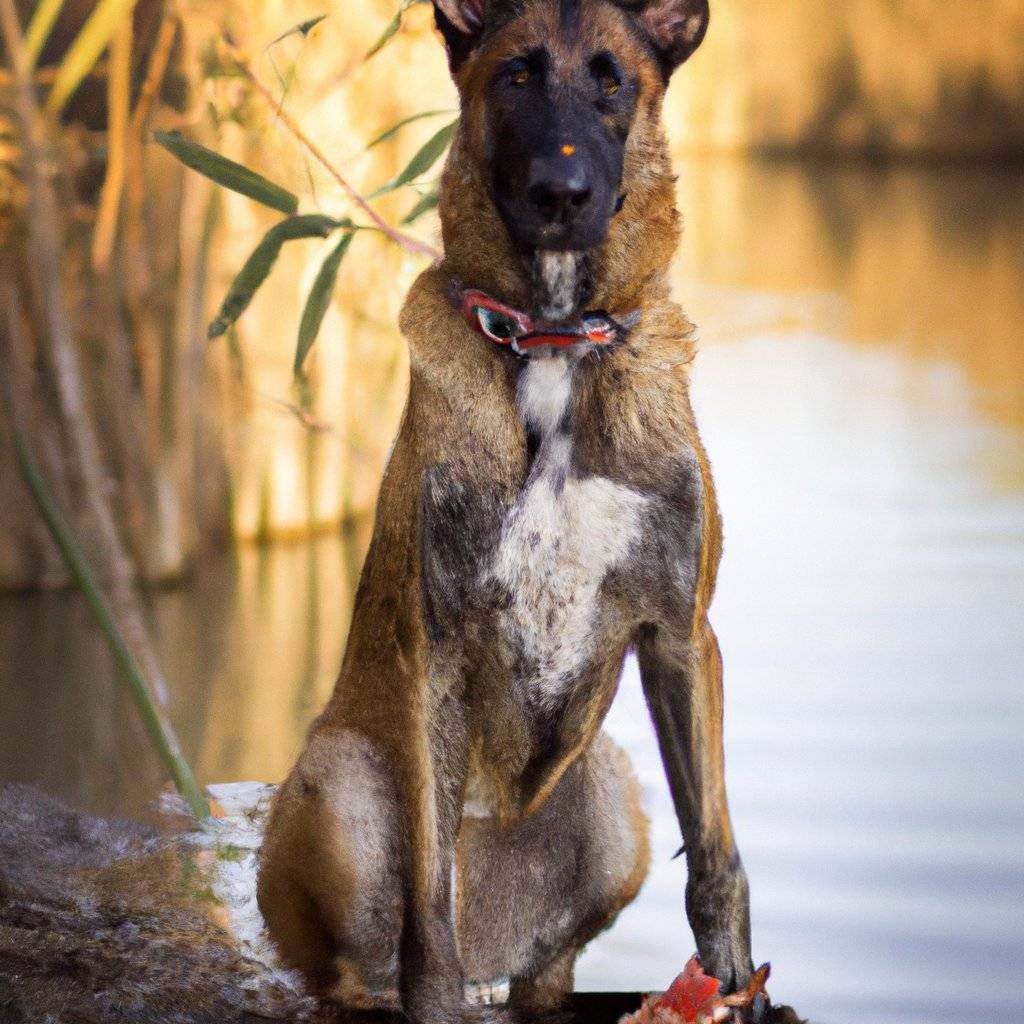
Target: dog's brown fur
355,879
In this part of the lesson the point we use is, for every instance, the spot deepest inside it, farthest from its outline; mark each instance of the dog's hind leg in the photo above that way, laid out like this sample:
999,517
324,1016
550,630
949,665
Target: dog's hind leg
330,884
354,879
533,892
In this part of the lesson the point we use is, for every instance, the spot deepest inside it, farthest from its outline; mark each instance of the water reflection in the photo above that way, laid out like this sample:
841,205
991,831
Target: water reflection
272,639
65,721
869,614
252,646
860,387
926,261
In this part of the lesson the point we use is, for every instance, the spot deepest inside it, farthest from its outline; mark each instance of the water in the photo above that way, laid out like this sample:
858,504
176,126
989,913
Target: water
860,389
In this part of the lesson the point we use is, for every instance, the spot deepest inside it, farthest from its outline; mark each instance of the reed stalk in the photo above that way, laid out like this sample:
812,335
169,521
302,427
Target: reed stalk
160,730
119,87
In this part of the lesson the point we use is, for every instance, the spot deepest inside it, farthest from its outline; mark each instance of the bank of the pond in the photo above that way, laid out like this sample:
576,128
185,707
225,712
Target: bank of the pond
106,920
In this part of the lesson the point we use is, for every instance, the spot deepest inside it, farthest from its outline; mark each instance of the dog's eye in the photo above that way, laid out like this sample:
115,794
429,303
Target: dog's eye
519,72
606,72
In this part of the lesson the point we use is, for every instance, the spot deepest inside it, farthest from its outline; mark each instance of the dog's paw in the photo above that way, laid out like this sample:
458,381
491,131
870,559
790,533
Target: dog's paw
488,993
783,1015
762,1011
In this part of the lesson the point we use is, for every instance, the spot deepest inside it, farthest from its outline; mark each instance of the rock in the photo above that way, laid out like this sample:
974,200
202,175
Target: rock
104,920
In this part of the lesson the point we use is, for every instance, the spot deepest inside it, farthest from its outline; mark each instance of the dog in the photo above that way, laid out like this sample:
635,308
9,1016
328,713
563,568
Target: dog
457,821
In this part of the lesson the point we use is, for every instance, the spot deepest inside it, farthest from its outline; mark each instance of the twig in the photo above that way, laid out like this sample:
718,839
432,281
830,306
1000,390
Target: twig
304,416
158,60
138,257
118,98
407,242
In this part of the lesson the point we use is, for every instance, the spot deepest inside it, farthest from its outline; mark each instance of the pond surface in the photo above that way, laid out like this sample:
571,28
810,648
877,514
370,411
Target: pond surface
860,389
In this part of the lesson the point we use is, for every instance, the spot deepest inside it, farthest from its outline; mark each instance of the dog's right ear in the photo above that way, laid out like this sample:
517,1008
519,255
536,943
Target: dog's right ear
461,22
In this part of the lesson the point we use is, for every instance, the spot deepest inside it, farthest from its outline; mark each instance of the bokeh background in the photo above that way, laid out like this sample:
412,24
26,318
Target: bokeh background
851,182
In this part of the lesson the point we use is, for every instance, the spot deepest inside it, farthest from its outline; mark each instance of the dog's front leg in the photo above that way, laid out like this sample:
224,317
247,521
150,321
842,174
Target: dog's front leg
682,680
432,980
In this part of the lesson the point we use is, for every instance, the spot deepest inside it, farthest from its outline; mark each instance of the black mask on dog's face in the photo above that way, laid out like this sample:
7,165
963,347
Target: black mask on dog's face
557,140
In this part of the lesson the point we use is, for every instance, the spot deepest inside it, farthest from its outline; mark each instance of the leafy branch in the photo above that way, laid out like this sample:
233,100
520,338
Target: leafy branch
228,173
407,242
257,266
241,179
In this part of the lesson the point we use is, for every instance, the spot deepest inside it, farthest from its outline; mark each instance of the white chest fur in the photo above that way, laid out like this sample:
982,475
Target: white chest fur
559,540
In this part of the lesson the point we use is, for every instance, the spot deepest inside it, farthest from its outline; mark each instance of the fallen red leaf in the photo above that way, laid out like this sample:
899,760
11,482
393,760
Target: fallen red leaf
693,998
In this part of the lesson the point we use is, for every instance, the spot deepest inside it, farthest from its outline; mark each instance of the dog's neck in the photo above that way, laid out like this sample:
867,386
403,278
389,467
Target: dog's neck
629,267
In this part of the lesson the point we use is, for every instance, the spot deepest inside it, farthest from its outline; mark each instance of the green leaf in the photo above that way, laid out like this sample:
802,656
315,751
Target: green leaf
303,29
307,26
427,202
257,266
39,28
393,26
83,53
319,299
425,158
227,172
391,132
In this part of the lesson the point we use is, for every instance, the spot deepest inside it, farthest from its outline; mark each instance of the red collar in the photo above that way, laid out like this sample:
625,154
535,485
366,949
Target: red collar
521,334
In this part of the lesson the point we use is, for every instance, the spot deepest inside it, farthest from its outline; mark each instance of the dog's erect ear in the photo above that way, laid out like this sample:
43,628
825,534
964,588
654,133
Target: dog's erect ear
675,27
461,22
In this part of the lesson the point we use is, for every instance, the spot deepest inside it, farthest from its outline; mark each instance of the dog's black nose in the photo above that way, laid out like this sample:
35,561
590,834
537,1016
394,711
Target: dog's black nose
558,187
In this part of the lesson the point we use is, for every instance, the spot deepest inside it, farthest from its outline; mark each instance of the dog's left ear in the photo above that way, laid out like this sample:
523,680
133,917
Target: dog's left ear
461,22
675,27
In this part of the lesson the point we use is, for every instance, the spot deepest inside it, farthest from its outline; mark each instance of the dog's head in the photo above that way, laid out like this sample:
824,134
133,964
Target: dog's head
553,92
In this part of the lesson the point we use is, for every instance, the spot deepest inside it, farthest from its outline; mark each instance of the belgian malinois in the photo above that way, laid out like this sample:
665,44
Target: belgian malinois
457,816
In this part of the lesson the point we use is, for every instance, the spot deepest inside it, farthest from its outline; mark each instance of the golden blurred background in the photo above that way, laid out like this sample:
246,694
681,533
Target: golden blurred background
907,82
